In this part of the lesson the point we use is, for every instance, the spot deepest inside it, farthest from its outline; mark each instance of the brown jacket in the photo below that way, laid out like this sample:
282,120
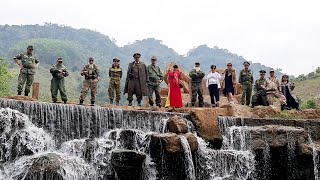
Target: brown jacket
143,78
234,80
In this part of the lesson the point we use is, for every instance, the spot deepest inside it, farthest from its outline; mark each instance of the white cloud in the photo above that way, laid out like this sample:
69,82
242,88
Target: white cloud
282,34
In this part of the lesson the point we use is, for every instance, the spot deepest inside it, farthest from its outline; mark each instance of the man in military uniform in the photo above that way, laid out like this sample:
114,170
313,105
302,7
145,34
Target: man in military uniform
92,76
136,80
246,81
59,72
260,96
196,76
274,90
155,79
115,75
27,63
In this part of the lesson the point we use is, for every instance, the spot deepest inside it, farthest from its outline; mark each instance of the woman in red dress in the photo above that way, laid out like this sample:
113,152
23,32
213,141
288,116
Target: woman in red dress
175,91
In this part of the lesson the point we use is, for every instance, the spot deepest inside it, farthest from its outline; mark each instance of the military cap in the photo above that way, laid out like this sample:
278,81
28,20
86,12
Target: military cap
246,62
91,58
136,54
271,70
153,58
60,59
197,63
30,47
116,59
262,71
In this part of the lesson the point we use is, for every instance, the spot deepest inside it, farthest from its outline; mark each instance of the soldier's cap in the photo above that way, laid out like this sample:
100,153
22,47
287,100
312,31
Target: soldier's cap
197,64
262,71
153,58
271,70
246,63
91,58
136,54
60,59
115,59
30,47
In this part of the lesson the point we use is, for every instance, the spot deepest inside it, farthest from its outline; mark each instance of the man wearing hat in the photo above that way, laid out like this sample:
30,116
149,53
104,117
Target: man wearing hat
59,72
27,63
155,79
246,81
136,80
196,76
274,90
91,74
260,96
115,75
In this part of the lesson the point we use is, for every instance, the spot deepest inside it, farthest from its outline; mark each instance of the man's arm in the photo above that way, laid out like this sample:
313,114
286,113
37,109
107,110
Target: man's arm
17,59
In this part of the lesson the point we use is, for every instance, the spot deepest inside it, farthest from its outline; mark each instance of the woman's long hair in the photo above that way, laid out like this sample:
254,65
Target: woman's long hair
282,78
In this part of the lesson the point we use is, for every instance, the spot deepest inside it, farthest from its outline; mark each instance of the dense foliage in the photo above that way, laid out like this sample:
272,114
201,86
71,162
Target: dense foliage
5,77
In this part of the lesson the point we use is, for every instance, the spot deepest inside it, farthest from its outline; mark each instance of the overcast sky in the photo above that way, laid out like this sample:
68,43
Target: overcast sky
277,33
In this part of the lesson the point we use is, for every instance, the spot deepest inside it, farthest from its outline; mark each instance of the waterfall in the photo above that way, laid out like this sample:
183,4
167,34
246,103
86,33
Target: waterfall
188,158
315,158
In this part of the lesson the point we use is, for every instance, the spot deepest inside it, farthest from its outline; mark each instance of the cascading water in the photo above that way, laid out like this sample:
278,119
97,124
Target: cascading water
188,158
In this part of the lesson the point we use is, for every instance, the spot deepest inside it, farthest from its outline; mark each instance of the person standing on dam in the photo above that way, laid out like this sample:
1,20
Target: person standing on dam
115,75
59,72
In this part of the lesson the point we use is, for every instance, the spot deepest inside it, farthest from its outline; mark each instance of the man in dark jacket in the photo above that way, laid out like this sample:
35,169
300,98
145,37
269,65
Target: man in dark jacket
137,79
155,79
196,76
59,72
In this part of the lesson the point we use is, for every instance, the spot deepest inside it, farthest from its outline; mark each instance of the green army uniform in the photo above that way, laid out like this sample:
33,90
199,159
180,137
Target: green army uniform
91,73
260,96
196,86
155,75
57,82
246,81
26,76
115,75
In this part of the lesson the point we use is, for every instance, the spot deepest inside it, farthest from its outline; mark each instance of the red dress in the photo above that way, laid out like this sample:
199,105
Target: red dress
175,92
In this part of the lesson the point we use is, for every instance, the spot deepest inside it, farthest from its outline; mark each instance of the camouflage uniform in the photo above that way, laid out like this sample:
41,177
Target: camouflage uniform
273,90
246,81
260,93
57,82
27,73
196,86
115,74
155,75
91,73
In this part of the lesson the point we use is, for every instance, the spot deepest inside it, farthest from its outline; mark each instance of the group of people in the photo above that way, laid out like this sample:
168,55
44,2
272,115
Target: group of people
142,80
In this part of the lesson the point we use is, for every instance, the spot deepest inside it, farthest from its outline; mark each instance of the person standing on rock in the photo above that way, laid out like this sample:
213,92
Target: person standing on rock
229,83
213,83
274,90
175,95
136,80
286,89
115,75
246,81
260,96
196,76
91,74
27,63
59,72
155,79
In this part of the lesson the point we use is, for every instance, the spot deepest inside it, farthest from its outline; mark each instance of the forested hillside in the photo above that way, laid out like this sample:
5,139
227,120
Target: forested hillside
76,45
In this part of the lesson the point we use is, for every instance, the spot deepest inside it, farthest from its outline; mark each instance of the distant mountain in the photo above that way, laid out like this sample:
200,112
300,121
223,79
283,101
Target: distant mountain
76,45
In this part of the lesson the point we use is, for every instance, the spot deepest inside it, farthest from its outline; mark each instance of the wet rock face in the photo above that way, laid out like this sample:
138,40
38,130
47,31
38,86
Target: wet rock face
177,125
128,164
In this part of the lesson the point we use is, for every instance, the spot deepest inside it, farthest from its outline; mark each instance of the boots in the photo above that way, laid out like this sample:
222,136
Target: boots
26,93
111,101
283,107
117,103
130,103
19,93
139,103
92,103
81,102
65,102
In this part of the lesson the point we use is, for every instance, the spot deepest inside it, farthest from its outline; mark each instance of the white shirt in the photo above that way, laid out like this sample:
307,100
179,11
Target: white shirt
213,78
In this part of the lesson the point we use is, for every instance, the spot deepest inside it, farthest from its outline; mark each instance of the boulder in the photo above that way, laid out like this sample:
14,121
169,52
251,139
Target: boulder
177,125
170,142
128,164
192,140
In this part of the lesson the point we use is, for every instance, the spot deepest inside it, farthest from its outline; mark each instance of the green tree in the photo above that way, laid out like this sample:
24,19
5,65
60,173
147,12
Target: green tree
5,78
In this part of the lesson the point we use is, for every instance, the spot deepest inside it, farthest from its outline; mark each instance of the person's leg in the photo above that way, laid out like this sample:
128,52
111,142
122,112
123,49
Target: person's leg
30,79
270,98
118,92
54,90
194,94
216,94
200,97
131,89
244,93
151,89
62,90
22,80
158,97
211,92
111,90
248,94
84,91
94,90
138,92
